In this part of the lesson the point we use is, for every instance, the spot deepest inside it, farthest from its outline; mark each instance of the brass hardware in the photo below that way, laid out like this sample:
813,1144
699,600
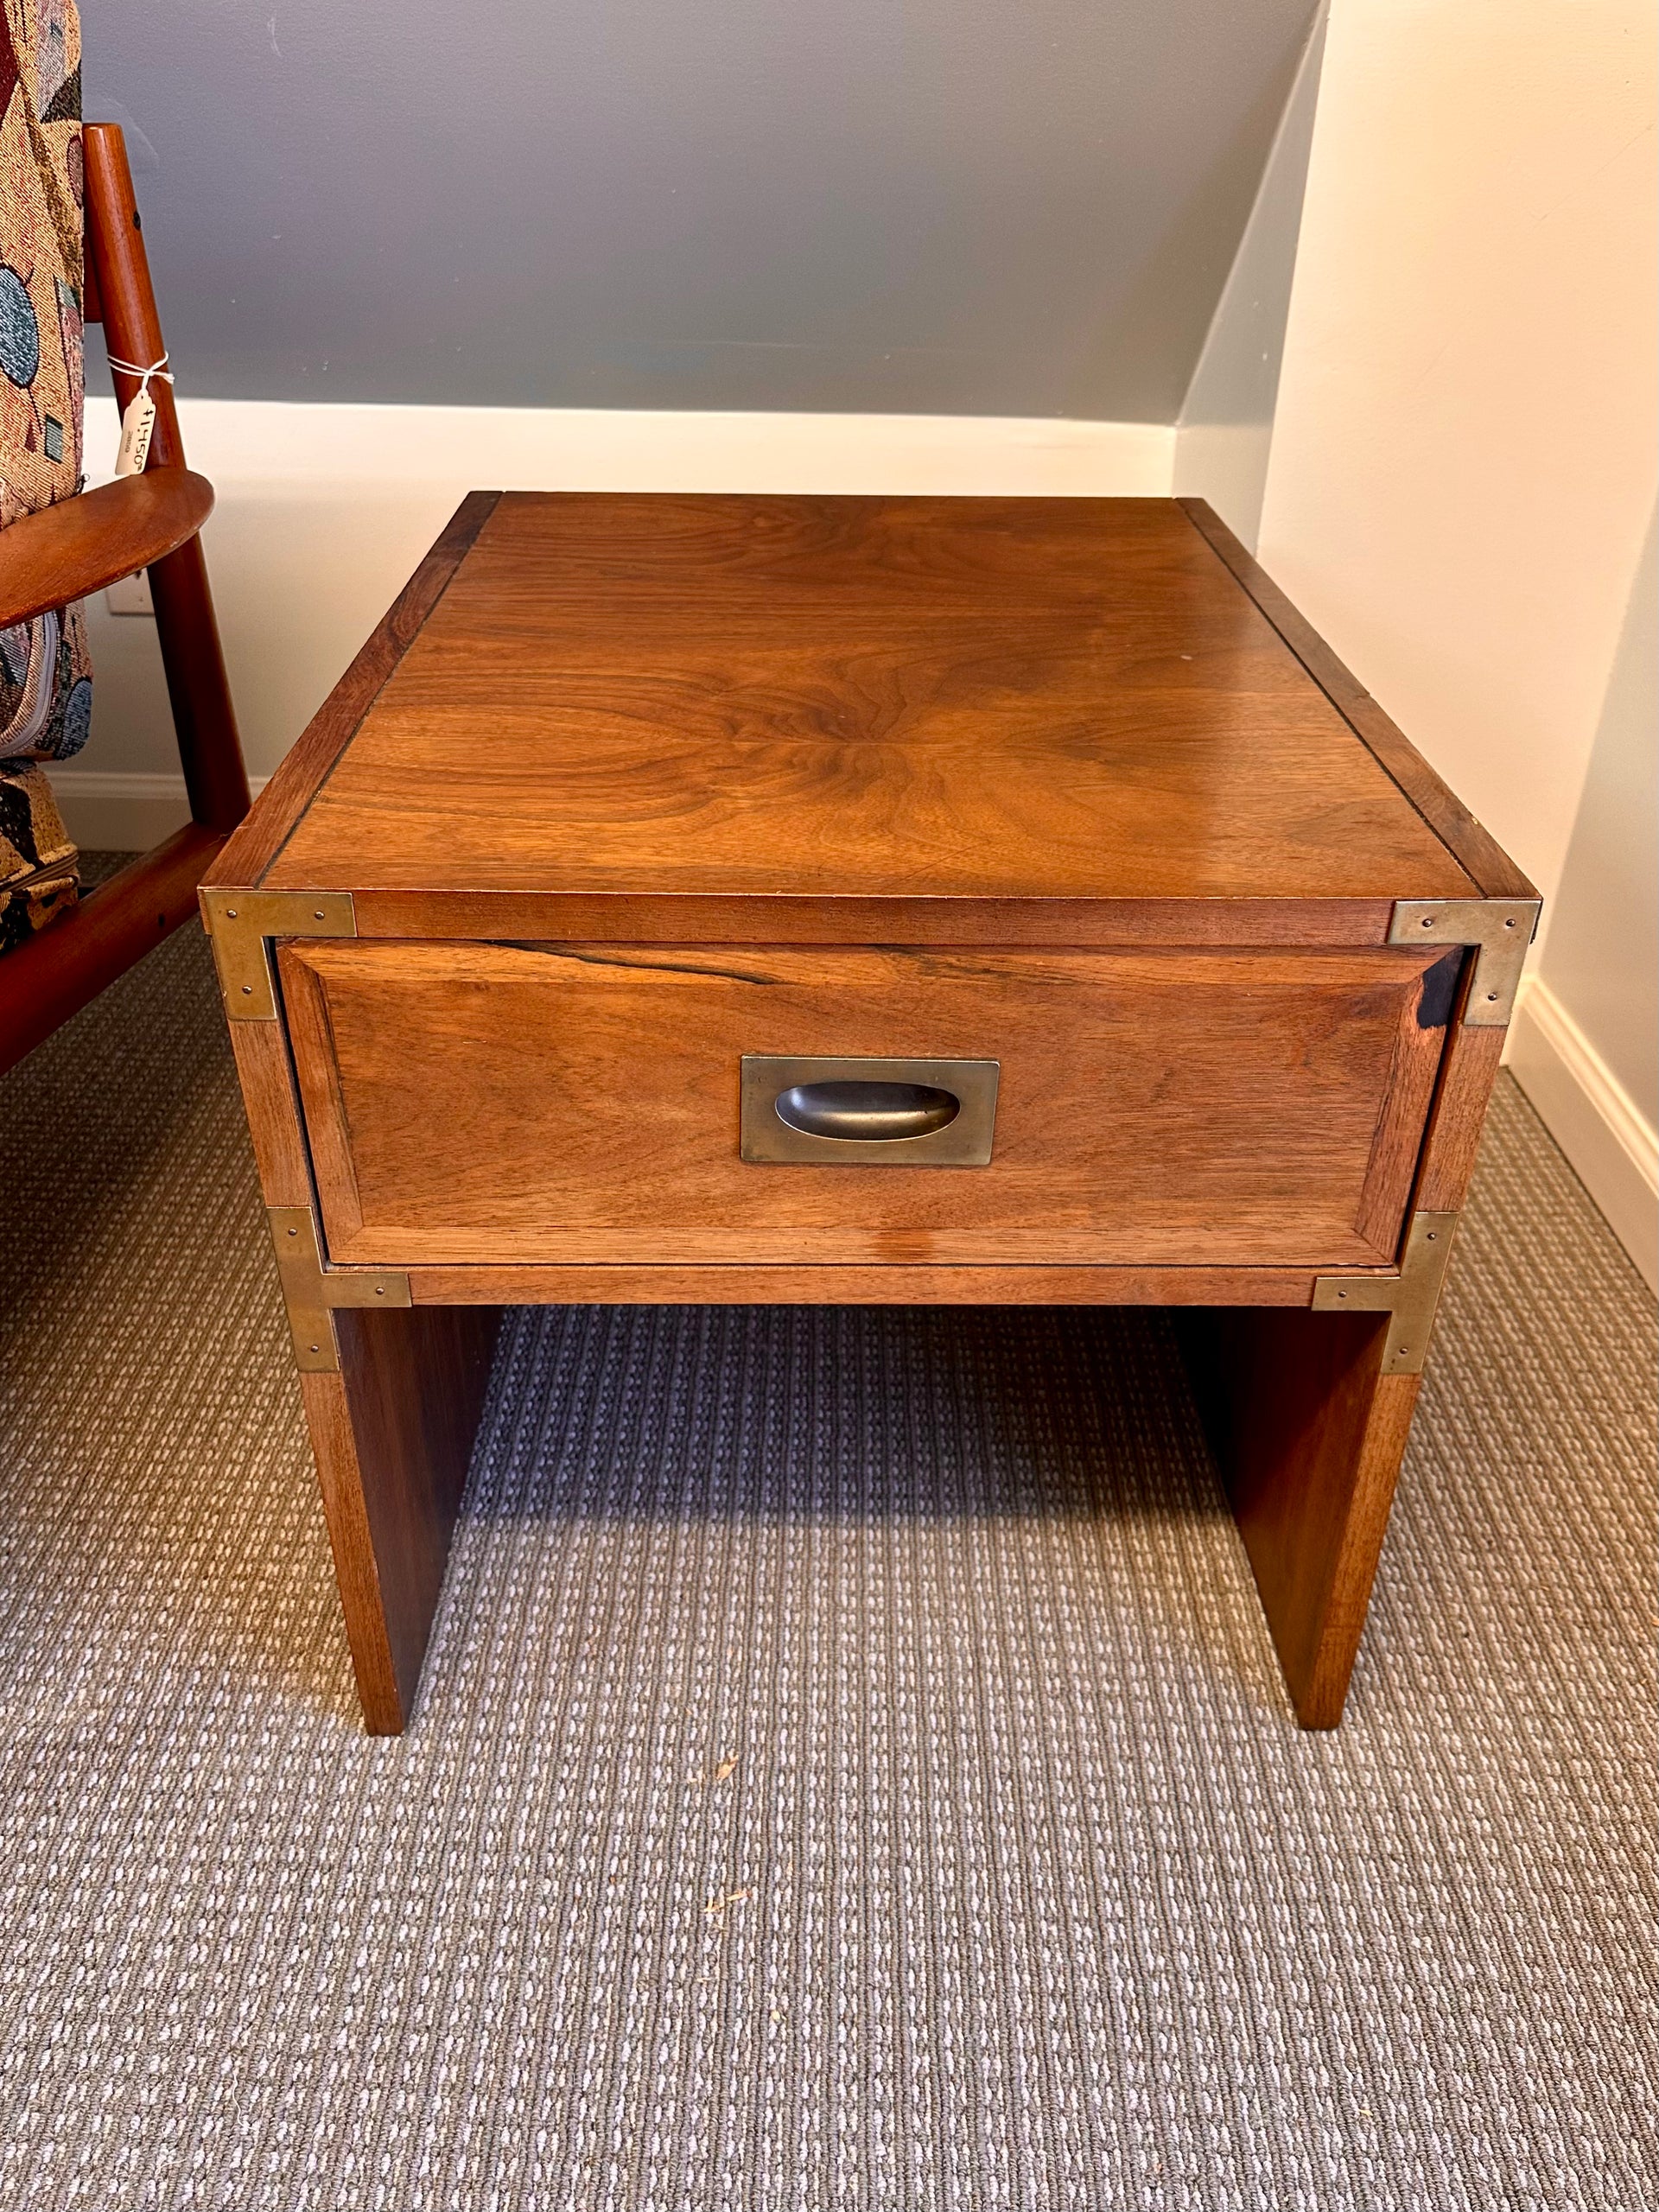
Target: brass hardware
1501,928
1410,1297
867,1113
311,1290
241,925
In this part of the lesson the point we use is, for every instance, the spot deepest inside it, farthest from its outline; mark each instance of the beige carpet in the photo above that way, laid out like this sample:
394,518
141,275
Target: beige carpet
852,1771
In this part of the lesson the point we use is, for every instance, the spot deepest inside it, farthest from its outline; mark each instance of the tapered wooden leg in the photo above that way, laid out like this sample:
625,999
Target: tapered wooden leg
1309,1435
393,1432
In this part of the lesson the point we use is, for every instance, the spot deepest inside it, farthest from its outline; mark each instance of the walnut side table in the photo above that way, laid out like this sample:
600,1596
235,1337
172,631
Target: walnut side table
992,901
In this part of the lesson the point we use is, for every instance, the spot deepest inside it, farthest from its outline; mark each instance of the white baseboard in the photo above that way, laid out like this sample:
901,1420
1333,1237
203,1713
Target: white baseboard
1613,1148
119,811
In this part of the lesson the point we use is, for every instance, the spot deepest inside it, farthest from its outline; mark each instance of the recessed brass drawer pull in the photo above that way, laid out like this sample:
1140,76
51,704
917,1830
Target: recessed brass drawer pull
868,1113
876,1113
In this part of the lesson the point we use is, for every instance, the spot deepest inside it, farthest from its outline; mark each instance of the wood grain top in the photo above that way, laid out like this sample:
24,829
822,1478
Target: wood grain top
816,697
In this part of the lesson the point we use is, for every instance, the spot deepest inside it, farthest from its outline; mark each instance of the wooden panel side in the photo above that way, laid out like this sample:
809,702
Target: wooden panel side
345,1507
1309,1435
393,1432
1474,847
1457,1118
1372,1474
267,1080
306,768
567,1104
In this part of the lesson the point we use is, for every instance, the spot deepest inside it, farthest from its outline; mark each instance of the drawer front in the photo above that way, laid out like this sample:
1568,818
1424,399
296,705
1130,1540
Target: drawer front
480,1104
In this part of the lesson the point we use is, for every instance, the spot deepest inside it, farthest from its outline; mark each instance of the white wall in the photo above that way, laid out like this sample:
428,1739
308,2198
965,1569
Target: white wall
1603,957
1587,1042
1464,457
324,511
1225,433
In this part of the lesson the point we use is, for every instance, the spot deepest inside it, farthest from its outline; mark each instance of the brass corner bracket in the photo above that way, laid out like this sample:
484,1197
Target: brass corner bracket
311,1290
1410,1297
242,923
1502,929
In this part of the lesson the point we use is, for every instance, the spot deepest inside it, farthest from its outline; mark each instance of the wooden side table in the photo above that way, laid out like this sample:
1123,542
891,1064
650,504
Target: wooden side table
856,900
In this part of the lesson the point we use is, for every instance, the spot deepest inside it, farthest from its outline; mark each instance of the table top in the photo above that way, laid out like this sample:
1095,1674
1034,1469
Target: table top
808,698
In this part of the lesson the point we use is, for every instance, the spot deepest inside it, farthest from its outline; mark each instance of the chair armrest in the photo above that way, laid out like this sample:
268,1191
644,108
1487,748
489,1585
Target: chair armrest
96,537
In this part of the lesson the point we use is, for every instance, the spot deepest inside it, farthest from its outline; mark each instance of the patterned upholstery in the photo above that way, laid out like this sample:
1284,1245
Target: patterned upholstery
45,676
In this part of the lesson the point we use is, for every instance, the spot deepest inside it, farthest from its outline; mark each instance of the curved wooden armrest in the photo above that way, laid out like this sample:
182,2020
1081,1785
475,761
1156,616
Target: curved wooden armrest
94,539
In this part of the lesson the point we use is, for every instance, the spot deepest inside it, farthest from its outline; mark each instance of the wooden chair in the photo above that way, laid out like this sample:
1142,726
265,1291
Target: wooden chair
80,546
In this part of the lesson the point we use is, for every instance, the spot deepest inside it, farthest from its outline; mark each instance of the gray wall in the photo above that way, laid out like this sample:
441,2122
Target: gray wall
932,205
1226,427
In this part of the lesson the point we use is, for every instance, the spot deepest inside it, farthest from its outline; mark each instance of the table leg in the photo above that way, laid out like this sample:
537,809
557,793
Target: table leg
1309,1434
393,1432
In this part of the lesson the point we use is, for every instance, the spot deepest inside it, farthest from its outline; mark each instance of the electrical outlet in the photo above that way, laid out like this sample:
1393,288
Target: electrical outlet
131,595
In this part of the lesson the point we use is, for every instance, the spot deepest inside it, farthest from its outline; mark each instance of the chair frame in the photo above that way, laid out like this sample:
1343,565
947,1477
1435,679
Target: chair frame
55,973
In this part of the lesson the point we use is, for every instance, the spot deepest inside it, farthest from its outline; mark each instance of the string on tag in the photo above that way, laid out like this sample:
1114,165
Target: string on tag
139,421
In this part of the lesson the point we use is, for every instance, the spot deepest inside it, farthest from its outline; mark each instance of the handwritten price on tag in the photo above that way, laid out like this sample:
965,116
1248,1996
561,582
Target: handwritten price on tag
138,424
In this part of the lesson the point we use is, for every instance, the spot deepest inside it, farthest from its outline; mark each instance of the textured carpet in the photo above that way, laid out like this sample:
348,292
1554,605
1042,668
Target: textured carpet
852,1771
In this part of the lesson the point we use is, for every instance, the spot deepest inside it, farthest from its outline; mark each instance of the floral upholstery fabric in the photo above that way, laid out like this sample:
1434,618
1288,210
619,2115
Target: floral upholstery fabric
45,674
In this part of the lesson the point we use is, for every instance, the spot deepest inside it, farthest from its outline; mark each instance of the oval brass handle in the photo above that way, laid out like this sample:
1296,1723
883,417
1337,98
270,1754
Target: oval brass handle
867,1113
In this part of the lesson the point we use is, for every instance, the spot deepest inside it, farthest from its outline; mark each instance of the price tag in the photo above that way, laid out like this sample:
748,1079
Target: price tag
136,425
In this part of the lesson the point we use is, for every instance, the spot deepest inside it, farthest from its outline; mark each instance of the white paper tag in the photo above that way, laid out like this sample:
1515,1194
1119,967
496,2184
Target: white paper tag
136,426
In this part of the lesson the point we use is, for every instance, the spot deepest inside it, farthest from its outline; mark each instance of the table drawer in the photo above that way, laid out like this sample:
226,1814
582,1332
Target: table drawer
478,1104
